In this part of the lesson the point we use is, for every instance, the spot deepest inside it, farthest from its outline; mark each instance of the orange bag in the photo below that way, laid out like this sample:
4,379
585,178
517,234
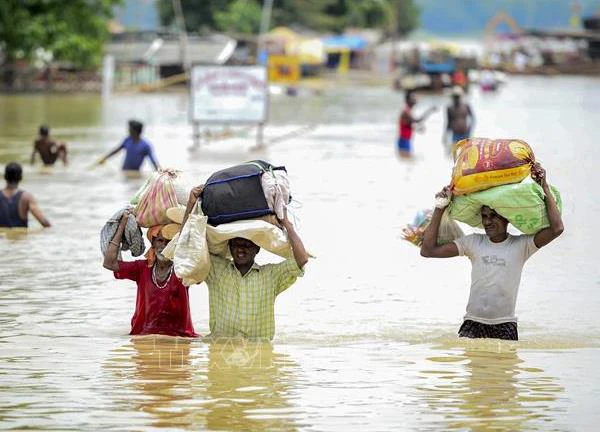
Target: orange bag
482,163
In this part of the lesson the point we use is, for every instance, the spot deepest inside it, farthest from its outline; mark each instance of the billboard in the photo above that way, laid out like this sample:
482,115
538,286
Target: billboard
229,94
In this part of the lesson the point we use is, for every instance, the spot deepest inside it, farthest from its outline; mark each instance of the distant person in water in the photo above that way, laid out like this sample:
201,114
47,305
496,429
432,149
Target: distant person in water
48,149
407,124
136,149
15,203
459,118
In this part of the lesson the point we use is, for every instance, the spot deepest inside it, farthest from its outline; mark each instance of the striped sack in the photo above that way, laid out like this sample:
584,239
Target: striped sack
159,196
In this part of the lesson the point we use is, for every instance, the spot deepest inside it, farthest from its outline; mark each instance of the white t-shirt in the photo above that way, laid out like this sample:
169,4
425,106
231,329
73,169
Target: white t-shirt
495,275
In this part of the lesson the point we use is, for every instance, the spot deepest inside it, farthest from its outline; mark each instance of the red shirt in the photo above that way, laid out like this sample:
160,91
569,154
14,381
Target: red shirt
406,129
163,311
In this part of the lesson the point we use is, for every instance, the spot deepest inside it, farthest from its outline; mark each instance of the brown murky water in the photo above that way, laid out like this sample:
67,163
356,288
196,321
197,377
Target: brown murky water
366,340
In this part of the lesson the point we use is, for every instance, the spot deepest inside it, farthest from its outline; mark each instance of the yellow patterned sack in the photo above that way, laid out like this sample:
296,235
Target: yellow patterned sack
483,163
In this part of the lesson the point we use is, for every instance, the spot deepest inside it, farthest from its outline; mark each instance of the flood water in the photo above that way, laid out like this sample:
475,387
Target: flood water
366,340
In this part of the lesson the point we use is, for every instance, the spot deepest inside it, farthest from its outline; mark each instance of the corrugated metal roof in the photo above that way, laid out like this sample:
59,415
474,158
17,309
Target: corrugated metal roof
203,50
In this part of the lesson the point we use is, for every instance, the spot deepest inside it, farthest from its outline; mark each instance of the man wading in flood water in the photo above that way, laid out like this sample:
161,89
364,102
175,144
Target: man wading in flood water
242,293
497,259
48,149
15,203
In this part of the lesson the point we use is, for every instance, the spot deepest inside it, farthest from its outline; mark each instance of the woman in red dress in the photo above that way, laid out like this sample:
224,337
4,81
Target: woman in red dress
162,304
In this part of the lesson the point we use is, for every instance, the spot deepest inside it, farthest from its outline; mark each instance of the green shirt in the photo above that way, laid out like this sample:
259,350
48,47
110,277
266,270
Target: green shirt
245,305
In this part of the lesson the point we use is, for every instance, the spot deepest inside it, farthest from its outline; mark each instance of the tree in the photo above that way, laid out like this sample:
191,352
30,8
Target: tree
404,17
73,31
199,15
393,16
318,15
242,16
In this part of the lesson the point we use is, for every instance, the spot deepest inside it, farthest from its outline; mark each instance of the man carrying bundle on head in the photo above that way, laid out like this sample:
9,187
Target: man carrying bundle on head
242,293
162,305
497,259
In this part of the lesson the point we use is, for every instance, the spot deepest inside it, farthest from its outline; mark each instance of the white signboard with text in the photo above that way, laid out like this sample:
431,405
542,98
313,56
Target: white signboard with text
229,94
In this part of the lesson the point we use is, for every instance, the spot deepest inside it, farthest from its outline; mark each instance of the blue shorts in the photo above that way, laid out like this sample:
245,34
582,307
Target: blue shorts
457,137
404,144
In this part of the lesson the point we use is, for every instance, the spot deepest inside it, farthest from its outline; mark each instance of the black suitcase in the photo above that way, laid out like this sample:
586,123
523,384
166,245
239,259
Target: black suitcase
236,193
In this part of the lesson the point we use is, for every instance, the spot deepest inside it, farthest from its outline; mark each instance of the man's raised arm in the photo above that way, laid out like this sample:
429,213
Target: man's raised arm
556,228
430,248
300,254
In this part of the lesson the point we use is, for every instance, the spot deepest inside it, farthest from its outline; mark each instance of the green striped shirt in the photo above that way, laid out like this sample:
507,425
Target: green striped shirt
245,305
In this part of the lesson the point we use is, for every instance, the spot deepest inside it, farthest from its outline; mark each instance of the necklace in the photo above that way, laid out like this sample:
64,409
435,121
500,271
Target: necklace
155,278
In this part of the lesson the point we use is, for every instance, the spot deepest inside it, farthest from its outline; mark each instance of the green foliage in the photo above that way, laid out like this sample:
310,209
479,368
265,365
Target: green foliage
243,16
318,15
405,16
74,31
199,14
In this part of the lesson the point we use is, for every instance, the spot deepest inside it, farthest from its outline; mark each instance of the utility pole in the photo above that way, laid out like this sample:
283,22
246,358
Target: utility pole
265,22
392,16
183,39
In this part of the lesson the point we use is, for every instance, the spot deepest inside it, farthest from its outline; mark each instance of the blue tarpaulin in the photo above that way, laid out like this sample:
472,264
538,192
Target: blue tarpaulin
339,42
446,67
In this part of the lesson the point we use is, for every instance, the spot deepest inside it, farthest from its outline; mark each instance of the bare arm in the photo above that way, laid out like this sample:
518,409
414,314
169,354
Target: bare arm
447,128
192,200
111,154
300,254
471,119
153,159
33,207
430,248
32,161
111,258
556,228
426,114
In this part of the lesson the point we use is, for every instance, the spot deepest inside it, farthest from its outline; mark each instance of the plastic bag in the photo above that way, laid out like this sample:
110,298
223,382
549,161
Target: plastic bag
191,260
169,250
159,196
447,232
135,199
276,187
522,204
482,163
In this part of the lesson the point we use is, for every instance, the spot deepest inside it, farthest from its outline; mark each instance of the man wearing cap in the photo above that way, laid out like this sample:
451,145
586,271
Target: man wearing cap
15,203
136,149
162,304
459,118
242,293
48,149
